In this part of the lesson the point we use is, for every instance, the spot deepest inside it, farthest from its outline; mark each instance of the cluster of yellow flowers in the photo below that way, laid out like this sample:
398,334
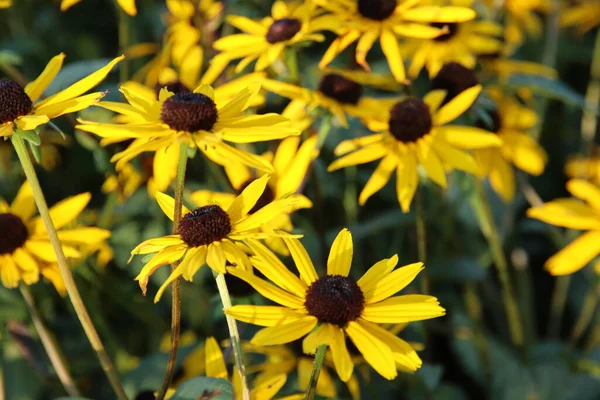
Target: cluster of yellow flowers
178,108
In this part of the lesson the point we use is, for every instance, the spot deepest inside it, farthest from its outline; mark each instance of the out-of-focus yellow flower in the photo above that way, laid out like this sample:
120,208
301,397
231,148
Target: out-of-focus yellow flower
583,167
126,5
5,3
583,15
521,19
50,146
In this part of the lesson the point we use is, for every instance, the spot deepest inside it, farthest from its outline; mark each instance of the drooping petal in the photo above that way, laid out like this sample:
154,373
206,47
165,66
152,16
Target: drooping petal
391,50
341,357
568,213
64,212
214,361
264,315
379,178
585,191
375,352
215,257
407,180
167,205
167,256
457,106
576,255
304,264
340,255
284,333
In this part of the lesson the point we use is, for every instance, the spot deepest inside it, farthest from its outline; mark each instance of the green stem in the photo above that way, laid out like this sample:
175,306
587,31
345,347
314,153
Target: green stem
65,269
234,335
422,240
324,130
176,285
489,229
557,308
50,345
314,376
589,120
123,41
292,64
587,314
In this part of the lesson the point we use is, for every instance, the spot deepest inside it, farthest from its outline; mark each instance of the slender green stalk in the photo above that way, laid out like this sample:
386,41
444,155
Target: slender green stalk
50,345
2,335
488,226
587,314
292,64
421,240
65,269
234,335
314,376
557,307
124,33
324,130
176,285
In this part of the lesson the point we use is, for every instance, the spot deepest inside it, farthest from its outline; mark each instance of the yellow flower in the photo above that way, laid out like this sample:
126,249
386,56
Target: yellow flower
50,147
199,118
584,167
583,214
521,18
5,3
415,133
462,42
210,235
366,21
25,248
511,122
266,40
126,5
21,110
125,182
291,163
583,15
336,305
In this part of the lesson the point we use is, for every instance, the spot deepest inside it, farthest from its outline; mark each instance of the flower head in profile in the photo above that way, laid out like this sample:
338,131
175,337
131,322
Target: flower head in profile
21,108
126,5
197,118
416,133
25,248
327,309
210,235
369,21
581,213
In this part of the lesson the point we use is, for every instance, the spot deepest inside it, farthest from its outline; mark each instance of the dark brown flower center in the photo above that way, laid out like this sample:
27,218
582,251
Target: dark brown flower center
340,89
493,124
452,29
283,29
410,120
189,112
265,198
377,9
335,299
14,102
13,233
454,78
204,226
173,87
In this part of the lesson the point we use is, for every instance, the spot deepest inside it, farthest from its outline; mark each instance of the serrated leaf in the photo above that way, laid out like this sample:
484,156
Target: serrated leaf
204,388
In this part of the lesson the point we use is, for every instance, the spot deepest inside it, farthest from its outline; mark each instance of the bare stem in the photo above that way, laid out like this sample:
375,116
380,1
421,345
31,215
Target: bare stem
50,345
65,269
587,314
422,240
314,376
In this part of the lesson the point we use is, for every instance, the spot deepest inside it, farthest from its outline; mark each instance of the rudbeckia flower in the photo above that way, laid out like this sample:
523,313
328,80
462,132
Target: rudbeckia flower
511,122
291,163
266,40
415,133
25,248
20,108
126,5
210,235
337,306
367,21
198,118
583,214
582,15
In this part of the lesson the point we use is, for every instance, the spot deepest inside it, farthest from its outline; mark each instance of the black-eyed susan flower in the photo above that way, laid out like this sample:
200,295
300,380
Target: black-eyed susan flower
416,133
265,41
583,15
291,163
367,21
511,121
462,42
20,108
25,248
581,213
336,305
197,118
210,235
126,5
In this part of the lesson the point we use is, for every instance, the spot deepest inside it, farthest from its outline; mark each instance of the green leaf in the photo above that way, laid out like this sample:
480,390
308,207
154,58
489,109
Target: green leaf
37,152
204,388
31,136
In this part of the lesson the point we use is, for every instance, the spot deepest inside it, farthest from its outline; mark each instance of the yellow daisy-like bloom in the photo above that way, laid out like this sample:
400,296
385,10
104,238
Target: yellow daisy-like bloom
366,21
462,43
583,214
336,305
25,248
210,235
414,134
291,162
521,18
126,5
197,118
125,182
266,40
510,121
585,167
583,15
19,108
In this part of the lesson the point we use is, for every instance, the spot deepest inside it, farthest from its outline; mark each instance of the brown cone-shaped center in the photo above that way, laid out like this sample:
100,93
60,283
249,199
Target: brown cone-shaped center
454,78
335,299
283,29
14,102
377,9
204,226
340,89
493,125
13,233
265,198
410,120
189,112
451,27
173,87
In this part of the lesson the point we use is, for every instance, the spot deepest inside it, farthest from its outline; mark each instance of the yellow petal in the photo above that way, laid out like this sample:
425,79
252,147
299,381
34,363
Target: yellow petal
128,6
167,205
391,50
167,256
585,191
402,309
64,211
340,255
292,177
24,260
30,122
393,283
375,352
569,213
68,106
363,155
341,357
264,315
432,163
23,205
407,180
439,14
265,214
284,333
9,274
302,260
576,255
247,199
379,178
369,281
43,250
457,106
268,388
36,88
214,361
268,290
215,257
165,166
468,137
363,46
